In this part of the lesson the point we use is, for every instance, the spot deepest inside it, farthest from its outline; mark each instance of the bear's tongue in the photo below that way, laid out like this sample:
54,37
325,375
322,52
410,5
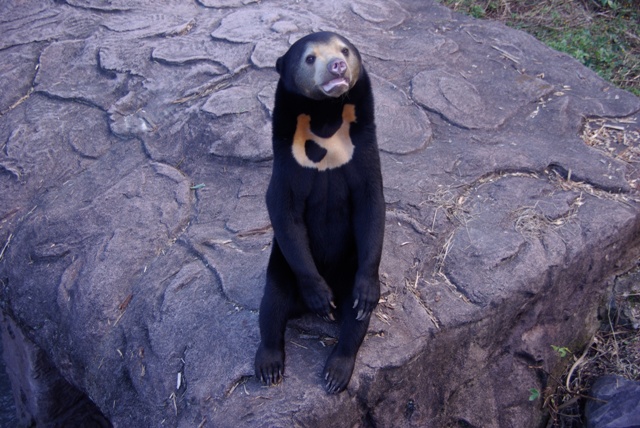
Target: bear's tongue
332,84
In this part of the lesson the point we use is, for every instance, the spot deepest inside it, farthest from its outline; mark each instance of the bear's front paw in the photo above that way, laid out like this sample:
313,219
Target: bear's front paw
366,293
269,365
319,299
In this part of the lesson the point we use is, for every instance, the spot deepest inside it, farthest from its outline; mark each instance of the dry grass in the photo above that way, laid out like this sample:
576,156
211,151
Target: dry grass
617,138
531,222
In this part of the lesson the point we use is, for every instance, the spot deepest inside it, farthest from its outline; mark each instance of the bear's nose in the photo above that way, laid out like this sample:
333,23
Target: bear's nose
337,67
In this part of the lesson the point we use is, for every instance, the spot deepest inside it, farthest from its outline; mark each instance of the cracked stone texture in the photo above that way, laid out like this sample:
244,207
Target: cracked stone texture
616,405
135,154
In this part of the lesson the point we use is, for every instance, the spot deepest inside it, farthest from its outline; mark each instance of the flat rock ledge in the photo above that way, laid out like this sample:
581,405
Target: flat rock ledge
135,154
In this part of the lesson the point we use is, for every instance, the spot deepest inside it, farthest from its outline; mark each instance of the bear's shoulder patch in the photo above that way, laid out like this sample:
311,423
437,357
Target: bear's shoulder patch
312,151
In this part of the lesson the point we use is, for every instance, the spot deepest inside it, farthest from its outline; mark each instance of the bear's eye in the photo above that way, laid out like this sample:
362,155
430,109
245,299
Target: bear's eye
345,51
310,59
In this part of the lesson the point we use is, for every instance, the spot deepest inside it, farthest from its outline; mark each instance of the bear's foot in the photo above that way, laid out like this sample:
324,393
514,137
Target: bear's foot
337,372
269,365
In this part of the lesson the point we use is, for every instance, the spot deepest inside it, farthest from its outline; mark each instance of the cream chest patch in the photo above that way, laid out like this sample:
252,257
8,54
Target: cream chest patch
312,151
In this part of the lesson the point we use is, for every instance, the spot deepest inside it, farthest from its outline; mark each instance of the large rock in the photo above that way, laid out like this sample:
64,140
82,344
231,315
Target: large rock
134,236
613,403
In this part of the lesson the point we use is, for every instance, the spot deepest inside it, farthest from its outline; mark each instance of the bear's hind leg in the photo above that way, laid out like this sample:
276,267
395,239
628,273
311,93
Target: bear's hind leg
277,306
339,367
269,363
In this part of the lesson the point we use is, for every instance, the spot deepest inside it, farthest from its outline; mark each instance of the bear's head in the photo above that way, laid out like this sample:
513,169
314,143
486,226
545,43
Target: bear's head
320,66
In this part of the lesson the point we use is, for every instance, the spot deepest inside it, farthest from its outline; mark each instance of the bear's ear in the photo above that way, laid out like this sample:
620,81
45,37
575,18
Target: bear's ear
279,63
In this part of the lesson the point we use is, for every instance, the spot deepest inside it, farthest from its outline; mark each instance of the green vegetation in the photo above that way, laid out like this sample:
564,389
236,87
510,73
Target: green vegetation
602,34
562,351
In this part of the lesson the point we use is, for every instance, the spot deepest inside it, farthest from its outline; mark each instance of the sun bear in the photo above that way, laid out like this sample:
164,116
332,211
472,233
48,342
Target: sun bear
325,202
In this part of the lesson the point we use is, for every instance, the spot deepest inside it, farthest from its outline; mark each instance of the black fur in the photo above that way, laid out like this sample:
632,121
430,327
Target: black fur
328,226
314,151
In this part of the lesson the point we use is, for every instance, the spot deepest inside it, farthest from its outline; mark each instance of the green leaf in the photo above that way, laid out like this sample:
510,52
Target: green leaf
563,351
535,394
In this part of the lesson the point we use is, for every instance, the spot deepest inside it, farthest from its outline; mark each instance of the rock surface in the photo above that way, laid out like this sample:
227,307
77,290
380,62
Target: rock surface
135,148
614,404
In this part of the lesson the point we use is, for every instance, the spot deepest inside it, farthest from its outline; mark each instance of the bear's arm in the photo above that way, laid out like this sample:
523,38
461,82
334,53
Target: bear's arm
368,224
286,211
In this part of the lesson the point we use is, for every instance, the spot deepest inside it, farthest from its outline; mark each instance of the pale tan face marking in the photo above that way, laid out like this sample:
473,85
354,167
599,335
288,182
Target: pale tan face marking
309,78
339,146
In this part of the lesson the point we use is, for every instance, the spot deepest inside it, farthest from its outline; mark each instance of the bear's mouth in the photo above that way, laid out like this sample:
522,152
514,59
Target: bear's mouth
341,83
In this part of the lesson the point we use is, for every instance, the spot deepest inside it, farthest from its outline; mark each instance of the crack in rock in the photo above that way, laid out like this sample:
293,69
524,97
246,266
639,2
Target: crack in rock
235,100
268,28
110,6
148,24
465,101
223,4
80,80
411,122
388,14
403,217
